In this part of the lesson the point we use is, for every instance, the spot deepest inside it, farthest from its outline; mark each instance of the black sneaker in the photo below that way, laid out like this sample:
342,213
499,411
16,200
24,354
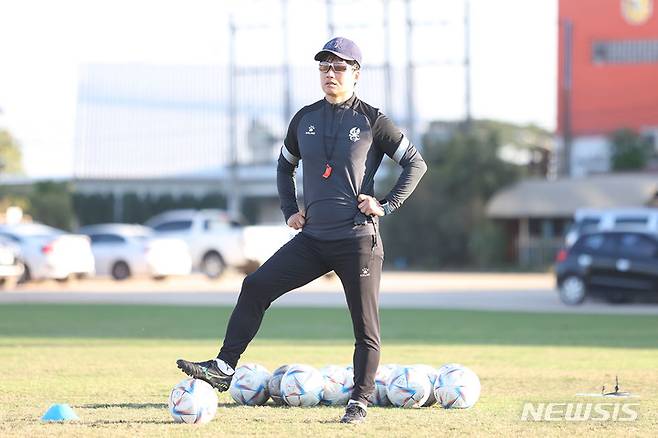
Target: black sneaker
207,371
354,414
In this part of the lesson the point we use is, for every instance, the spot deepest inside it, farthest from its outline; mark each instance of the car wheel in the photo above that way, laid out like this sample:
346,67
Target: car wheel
120,271
213,265
573,290
25,276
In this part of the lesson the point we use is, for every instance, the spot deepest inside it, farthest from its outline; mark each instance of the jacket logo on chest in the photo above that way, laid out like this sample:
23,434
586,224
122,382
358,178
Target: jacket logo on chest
354,134
310,130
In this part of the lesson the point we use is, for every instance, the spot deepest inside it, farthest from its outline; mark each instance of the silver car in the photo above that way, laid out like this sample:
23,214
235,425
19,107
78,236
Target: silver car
49,253
125,250
11,266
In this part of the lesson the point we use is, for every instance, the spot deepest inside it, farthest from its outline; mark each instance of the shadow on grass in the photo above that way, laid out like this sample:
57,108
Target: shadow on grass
109,422
423,326
161,406
124,406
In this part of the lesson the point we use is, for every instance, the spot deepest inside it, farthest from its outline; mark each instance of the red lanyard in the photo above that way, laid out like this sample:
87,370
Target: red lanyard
328,154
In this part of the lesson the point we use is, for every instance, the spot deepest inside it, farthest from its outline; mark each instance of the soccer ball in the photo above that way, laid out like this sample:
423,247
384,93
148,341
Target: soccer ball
447,366
431,374
457,387
349,377
408,387
192,401
338,385
302,385
249,385
274,385
379,397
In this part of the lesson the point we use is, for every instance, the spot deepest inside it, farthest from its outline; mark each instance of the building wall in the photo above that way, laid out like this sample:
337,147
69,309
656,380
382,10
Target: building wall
615,65
534,242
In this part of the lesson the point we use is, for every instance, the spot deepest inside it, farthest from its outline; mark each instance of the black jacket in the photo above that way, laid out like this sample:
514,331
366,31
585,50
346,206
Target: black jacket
347,141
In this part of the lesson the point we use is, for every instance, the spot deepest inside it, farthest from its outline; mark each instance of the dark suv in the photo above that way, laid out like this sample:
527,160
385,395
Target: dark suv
618,264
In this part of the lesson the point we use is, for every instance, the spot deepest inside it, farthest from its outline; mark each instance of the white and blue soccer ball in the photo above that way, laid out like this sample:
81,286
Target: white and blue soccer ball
379,397
349,373
249,385
432,374
338,385
408,387
445,367
302,385
457,387
274,385
192,401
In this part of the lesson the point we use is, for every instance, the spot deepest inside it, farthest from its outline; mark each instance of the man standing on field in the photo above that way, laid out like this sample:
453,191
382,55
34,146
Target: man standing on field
341,140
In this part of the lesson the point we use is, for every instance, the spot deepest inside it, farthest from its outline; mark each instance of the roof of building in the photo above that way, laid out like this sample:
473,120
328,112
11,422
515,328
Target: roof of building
535,198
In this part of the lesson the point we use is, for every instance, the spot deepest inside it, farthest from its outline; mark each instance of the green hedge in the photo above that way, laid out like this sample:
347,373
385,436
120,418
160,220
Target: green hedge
100,208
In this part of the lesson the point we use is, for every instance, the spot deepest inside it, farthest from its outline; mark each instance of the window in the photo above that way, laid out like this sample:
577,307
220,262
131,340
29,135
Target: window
214,225
106,238
629,220
636,246
625,52
597,244
11,237
173,226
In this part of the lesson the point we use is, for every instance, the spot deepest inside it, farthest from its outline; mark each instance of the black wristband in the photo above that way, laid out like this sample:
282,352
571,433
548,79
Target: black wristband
386,206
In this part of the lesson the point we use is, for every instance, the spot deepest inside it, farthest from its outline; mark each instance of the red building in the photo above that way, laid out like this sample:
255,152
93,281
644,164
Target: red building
608,77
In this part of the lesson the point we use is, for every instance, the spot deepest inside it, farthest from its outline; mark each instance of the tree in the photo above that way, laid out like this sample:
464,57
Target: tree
443,224
52,204
630,151
10,154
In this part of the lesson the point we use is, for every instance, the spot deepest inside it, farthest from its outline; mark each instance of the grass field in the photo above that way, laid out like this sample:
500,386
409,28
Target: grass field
115,365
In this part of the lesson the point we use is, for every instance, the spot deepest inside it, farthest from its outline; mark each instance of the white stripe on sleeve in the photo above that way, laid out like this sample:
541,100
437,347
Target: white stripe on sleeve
399,153
288,156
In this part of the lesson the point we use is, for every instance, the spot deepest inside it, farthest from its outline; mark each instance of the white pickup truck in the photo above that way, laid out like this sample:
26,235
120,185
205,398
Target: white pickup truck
217,242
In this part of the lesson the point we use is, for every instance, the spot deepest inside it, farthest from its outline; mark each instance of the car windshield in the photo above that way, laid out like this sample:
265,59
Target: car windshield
588,223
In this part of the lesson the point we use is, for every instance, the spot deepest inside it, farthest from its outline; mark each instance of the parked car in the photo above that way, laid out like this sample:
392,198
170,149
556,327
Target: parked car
618,264
217,242
49,253
11,266
604,219
124,250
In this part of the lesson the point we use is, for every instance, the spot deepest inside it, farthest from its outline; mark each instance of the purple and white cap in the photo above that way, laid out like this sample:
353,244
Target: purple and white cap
341,47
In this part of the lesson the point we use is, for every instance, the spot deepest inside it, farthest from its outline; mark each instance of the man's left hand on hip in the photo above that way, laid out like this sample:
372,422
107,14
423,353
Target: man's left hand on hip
370,206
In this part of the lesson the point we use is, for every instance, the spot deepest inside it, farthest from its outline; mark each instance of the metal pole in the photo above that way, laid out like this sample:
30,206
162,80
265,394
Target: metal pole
411,116
566,97
233,186
388,83
467,64
331,27
287,98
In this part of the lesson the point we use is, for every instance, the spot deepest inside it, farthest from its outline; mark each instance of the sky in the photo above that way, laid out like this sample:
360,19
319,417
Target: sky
46,43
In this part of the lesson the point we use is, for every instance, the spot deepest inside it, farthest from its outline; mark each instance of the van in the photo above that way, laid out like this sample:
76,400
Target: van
603,219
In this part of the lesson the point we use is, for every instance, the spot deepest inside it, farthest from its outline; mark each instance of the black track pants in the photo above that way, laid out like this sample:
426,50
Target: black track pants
358,264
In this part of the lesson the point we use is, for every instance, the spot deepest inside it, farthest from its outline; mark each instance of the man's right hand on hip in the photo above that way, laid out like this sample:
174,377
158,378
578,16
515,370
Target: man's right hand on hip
297,221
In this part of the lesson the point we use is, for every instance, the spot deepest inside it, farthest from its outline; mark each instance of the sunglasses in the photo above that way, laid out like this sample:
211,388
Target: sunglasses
339,67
